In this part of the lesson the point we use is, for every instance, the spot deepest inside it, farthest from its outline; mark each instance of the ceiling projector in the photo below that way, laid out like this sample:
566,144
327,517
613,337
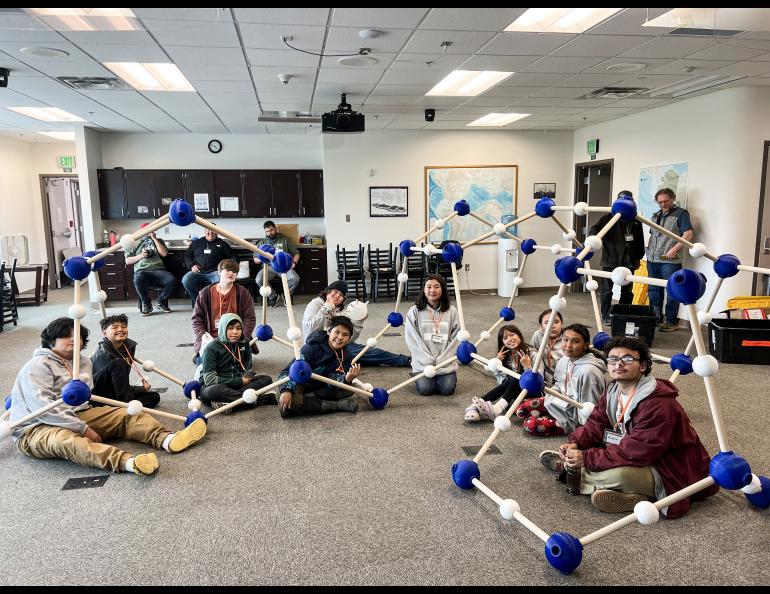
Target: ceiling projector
343,119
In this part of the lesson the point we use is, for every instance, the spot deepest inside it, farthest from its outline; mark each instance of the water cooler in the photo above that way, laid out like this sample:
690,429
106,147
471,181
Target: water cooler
507,259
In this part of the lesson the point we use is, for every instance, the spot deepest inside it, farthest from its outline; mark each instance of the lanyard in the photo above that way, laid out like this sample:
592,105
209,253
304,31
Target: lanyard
623,410
130,361
436,323
233,355
340,360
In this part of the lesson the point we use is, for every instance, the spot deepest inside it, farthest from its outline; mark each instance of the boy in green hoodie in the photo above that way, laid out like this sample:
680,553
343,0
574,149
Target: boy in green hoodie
227,372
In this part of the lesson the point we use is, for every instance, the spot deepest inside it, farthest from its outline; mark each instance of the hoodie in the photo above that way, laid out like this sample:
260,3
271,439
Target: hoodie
221,358
582,380
550,356
656,433
418,333
40,382
318,315
322,358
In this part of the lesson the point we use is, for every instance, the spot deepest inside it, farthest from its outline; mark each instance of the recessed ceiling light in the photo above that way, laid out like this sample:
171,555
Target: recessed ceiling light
560,20
70,136
44,52
151,77
47,114
751,19
467,83
358,60
498,119
626,67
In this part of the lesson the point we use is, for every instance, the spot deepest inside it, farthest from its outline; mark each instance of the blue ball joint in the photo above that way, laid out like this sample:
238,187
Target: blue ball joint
532,382
564,552
626,208
181,213
452,252
77,268
300,372
544,208
730,471
395,319
464,352
681,363
263,333
282,262
507,314
265,247
761,499
726,266
76,393
686,286
566,269
8,400
462,208
379,398
193,416
463,473
528,246
96,265
405,247
192,386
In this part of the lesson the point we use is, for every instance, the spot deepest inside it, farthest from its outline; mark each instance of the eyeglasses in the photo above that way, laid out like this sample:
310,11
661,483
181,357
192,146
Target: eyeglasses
626,359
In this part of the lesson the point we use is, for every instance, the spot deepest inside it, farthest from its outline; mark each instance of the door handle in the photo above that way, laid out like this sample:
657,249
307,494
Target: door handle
303,211
767,245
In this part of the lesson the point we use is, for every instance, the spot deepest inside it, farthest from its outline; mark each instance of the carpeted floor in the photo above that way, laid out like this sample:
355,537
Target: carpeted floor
364,498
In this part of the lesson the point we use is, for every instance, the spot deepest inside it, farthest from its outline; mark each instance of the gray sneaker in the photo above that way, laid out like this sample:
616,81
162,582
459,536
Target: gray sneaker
216,404
615,502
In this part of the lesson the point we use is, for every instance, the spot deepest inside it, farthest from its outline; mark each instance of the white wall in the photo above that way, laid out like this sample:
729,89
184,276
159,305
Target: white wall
399,158
721,136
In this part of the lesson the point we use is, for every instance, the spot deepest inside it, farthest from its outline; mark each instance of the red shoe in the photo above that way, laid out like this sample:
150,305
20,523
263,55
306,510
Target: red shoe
543,426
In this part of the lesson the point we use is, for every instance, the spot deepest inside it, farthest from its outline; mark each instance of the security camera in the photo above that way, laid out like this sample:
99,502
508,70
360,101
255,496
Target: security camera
4,74
430,115
284,78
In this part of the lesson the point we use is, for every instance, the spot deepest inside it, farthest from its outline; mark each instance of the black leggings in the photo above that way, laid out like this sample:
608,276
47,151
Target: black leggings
508,389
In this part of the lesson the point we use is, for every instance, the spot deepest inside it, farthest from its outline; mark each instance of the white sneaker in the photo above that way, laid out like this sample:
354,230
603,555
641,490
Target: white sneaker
472,414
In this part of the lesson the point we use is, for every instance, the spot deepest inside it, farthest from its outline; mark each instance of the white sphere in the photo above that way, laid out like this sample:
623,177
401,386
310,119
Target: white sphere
485,335
134,408
371,343
463,336
148,365
557,303
585,412
518,281
592,285
646,513
493,364
705,365
429,371
704,318
5,429
500,229
77,311
698,250
569,235
755,486
619,276
593,242
580,209
265,291
556,249
294,333
98,297
502,423
127,241
250,396
194,404
403,277
439,224
432,250
508,508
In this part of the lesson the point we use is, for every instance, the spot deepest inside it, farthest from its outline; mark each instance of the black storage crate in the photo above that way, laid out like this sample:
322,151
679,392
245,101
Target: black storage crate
740,341
637,321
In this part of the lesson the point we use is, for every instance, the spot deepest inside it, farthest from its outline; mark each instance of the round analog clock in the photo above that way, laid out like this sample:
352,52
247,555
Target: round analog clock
215,146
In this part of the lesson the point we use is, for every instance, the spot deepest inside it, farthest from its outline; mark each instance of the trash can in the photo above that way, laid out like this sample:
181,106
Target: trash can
740,341
637,321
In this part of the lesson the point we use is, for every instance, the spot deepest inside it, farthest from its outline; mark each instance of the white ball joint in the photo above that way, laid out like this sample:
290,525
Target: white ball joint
439,224
134,408
77,311
502,423
556,249
493,364
371,343
194,404
594,243
592,285
500,229
619,276
698,250
569,235
557,303
148,365
705,365
509,508
294,333
98,297
403,277
5,429
429,371
580,209
265,291
463,336
704,318
518,281
127,242
646,513
485,335
250,396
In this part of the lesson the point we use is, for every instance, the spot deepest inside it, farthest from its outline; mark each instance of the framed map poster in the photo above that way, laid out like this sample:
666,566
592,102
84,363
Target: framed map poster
657,177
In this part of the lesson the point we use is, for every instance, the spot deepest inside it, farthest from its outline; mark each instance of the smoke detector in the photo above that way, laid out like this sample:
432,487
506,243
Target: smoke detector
370,33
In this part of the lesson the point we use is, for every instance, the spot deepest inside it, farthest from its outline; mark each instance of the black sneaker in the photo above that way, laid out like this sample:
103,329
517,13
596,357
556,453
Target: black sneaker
163,306
268,398
146,309
272,301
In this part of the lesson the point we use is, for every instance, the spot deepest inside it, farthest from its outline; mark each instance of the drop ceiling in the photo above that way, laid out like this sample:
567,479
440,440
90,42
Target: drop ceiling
233,56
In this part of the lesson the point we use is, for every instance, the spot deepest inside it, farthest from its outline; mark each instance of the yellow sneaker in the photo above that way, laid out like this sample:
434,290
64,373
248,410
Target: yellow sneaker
145,464
188,436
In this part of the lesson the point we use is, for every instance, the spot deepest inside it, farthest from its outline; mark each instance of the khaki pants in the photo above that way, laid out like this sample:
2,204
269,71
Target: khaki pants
45,441
626,479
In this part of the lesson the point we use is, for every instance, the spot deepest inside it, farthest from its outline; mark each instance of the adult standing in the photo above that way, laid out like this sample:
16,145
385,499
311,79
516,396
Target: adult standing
664,255
281,243
146,257
202,258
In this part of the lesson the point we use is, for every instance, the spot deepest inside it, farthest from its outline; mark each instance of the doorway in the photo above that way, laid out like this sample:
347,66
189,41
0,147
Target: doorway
761,284
63,223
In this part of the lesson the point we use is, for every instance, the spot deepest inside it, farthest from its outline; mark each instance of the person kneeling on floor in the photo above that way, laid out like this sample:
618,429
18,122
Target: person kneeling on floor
76,433
638,444
328,355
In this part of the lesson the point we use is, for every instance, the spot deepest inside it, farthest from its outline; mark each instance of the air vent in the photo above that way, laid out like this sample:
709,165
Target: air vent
705,32
93,83
614,92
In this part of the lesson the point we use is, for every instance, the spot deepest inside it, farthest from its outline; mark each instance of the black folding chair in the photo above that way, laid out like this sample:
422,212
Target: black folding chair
350,268
382,269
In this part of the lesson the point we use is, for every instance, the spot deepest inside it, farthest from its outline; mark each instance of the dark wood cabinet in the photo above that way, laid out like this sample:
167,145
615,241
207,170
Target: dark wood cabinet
169,186
200,181
257,193
285,185
312,271
112,277
228,193
140,194
311,193
112,193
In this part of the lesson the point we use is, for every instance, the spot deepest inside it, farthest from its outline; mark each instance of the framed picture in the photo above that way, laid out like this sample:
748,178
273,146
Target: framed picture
490,190
388,201
545,191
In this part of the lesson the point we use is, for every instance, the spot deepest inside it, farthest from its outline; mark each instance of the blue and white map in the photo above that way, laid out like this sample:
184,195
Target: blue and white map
652,179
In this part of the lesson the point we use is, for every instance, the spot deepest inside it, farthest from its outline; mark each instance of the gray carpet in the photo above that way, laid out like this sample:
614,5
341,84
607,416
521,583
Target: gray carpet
364,498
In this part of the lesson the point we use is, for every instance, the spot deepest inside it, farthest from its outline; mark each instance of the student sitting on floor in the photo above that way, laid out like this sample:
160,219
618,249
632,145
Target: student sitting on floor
226,372
76,433
553,350
113,361
328,355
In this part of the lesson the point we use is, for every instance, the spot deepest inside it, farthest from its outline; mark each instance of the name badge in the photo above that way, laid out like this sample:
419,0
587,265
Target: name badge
629,237
207,251
612,437
437,338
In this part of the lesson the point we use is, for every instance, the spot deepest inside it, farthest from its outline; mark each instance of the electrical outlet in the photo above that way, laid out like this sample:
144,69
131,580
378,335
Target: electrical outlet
467,268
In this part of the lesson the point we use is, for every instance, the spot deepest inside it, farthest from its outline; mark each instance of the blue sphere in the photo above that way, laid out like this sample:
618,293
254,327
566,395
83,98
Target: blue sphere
263,332
96,265
600,340
181,213
462,207
300,372
626,208
730,470
681,363
452,252
77,268
463,473
7,402
686,286
588,256
282,262
544,207
265,247
761,499
507,314
194,416
532,382
191,386
379,398
395,319
564,552
528,246
464,352
726,266
405,247
76,393
566,269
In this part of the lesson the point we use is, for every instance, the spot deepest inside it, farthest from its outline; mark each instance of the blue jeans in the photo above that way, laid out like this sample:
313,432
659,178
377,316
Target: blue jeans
374,357
151,279
193,282
441,384
663,270
292,278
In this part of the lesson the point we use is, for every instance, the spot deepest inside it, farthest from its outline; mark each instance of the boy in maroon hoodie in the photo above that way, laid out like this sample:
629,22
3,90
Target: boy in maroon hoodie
638,443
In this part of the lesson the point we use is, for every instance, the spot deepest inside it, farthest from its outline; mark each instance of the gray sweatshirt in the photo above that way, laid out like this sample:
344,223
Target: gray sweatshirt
318,315
40,382
550,358
582,380
419,334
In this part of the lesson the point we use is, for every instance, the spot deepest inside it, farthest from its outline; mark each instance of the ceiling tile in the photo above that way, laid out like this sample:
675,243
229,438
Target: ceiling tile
402,89
375,18
283,16
500,91
26,28
193,33
346,39
675,67
184,14
205,87
90,68
499,63
675,46
215,73
566,92
533,79
436,61
473,19
380,61
526,44
724,51
652,81
413,77
393,100
268,73
744,68
269,36
562,65
630,21
209,56
650,64
104,52
463,42
13,49
605,46
591,80
263,57
349,75
119,38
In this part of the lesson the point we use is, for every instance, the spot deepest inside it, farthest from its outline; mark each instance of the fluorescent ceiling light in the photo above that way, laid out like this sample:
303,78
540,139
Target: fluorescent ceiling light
722,80
47,114
561,20
467,83
88,19
498,119
60,135
751,19
151,77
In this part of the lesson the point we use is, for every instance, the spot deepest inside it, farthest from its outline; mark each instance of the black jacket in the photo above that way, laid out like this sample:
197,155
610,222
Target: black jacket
218,250
616,251
105,353
321,358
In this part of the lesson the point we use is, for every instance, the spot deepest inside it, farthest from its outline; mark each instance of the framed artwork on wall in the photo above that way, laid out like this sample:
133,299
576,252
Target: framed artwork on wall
388,201
490,190
544,191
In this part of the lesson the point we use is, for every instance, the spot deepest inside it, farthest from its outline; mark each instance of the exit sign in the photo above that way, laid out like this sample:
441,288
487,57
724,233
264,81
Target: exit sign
593,146
65,161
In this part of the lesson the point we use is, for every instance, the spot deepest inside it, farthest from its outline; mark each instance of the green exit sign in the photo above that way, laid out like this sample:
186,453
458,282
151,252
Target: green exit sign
593,146
65,161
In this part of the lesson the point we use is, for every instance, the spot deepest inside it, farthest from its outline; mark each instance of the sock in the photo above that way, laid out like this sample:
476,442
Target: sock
167,441
130,464
500,406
